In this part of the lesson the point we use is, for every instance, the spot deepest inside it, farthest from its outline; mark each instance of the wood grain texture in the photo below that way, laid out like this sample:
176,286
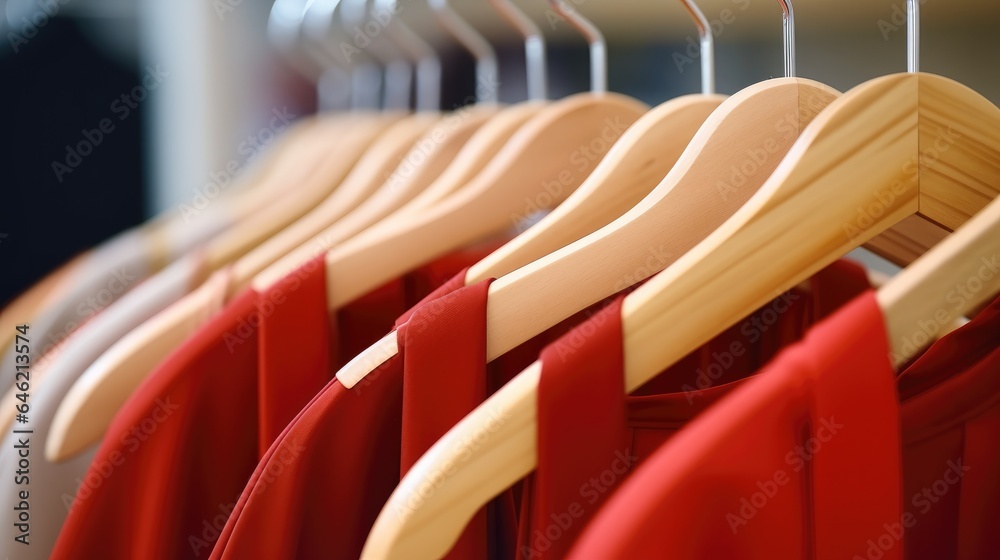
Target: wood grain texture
851,176
758,125
540,166
359,178
472,156
635,165
86,411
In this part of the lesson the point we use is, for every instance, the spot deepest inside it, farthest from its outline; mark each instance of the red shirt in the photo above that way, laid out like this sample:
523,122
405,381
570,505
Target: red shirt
804,461
179,453
319,488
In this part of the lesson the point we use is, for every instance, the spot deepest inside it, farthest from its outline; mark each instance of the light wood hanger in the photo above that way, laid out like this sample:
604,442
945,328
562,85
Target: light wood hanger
108,382
753,129
86,411
481,148
426,166
546,151
632,168
903,145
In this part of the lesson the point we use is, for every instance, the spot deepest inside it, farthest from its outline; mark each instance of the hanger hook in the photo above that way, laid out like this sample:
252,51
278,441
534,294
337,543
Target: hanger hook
284,29
368,39
475,43
425,57
788,27
598,46
364,75
534,47
912,36
707,46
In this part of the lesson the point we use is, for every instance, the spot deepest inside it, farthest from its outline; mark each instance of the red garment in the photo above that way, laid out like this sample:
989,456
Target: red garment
951,444
185,444
351,446
591,435
739,483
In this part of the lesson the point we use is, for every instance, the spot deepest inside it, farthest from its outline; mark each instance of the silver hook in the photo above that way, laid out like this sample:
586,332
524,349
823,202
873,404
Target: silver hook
788,27
426,58
284,29
913,36
486,57
534,47
364,75
397,70
598,46
707,46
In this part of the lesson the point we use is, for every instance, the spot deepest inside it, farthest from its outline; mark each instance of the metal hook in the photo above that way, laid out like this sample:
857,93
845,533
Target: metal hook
598,46
364,75
788,27
426,58
284,27
707,47
534,47
397,69
475,43
913,36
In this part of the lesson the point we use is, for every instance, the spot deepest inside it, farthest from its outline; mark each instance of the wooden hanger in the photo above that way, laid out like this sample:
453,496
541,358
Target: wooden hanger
912,144
446,155
632,168
551,151
87,409
754,128
129,360
480,149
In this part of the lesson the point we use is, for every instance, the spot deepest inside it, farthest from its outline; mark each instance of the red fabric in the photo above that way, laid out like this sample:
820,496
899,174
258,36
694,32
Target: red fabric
322,505
591,435
354,444
230,389
855,504
951,456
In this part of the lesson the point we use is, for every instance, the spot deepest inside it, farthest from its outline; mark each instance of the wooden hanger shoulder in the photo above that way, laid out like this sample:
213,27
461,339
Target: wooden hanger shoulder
110,380
729,158
858,169
297,196
925,293
477,135
637,162
899,146
757,116
549,152
87,409
360,174
475,155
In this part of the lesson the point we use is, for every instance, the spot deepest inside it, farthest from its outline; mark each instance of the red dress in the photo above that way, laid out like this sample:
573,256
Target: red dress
317,491
804,460
178,455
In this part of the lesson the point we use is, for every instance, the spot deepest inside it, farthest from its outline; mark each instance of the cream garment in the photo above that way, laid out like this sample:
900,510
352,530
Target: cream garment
112,269
52,486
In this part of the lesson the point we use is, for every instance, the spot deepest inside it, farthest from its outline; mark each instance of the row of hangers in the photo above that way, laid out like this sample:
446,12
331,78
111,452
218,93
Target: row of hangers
922,149
907,147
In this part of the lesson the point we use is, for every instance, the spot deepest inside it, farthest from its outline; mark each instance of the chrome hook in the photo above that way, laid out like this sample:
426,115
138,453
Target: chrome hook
912,36
598,46
365,76
476,44
788,28
426,58
707,46
534,47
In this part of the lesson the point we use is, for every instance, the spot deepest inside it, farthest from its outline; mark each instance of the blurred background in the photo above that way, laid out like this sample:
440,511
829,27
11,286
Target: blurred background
164,94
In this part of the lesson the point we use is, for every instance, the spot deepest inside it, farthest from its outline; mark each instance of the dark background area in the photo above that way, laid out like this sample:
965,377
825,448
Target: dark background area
53,88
